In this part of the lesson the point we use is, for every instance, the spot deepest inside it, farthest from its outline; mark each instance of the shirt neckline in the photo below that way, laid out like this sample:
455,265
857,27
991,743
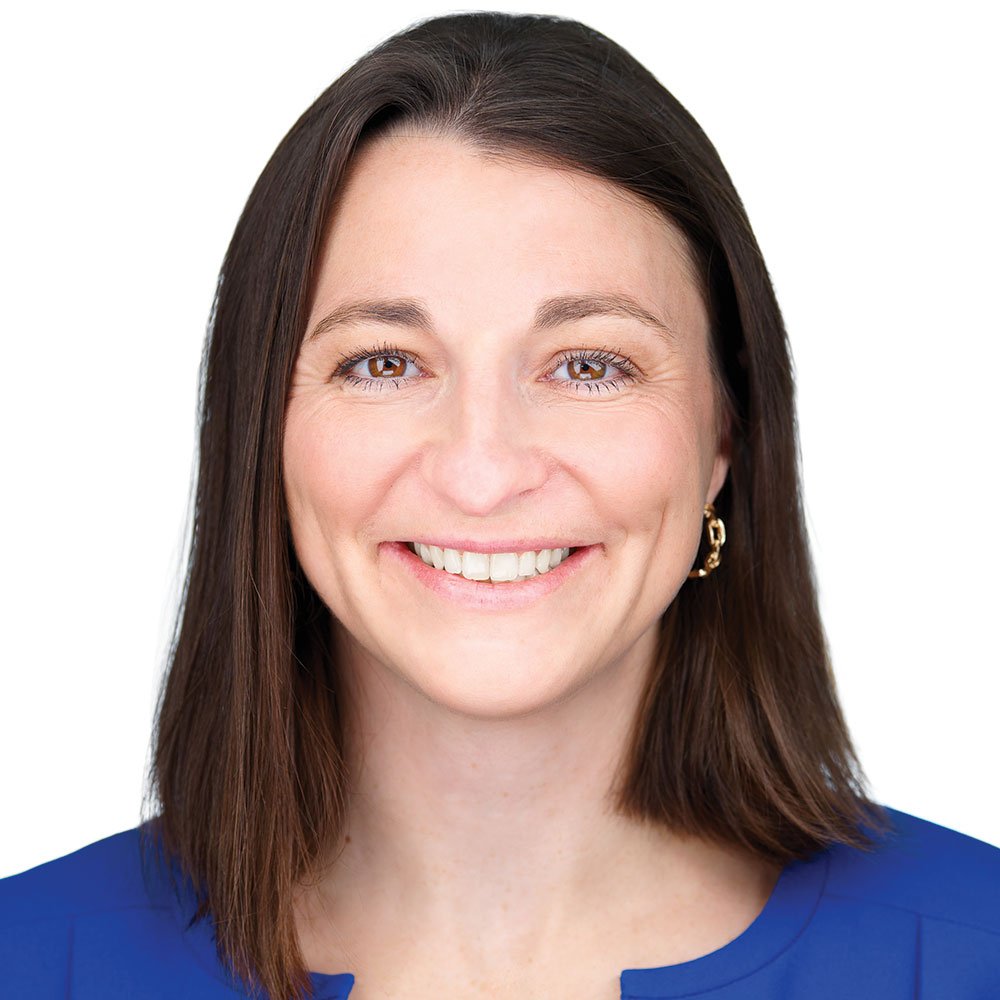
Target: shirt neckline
785,915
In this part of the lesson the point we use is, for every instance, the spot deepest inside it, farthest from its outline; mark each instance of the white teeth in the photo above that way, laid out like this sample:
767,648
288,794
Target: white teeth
475,566
503,567
452,561
500,567
526,564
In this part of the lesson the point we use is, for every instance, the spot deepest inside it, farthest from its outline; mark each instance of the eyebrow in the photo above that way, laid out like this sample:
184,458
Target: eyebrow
550,314
391,312
567,308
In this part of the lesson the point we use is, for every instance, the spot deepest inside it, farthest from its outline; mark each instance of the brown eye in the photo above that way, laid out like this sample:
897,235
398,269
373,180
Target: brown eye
583,370
386,366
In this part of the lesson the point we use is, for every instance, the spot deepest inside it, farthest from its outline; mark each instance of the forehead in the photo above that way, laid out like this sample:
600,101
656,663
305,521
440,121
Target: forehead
434,217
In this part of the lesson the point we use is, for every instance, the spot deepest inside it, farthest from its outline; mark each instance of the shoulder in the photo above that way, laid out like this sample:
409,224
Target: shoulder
106,875
109,922
925,869
80,921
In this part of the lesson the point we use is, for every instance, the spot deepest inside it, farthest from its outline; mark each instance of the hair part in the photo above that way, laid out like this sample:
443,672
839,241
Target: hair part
739,736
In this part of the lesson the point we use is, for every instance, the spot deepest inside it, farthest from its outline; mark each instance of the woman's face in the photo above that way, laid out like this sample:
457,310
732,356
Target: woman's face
501,358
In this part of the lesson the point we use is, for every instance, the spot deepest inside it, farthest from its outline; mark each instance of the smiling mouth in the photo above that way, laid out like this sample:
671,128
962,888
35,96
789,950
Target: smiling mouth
495,567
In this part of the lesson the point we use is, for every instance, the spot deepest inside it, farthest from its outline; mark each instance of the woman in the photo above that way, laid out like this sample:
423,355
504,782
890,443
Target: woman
499,669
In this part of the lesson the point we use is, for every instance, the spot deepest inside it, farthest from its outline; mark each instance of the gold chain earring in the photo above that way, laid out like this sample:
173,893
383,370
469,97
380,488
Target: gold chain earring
715,530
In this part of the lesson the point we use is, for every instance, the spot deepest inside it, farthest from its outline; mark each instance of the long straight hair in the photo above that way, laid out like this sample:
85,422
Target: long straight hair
739,736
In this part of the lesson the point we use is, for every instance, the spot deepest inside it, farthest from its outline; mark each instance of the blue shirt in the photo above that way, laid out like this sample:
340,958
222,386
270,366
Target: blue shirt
917,918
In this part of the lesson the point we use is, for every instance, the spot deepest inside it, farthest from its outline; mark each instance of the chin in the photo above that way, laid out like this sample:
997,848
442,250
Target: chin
500,687
498,700
477,681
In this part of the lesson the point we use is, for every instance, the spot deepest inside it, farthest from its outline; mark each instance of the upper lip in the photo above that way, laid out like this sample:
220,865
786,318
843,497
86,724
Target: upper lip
498,545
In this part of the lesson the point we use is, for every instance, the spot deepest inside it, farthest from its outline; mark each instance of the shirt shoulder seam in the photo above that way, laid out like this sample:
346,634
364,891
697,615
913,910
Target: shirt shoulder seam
74,914
921,914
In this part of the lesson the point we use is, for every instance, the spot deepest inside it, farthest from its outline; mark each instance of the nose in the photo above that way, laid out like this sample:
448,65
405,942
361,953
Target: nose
481,454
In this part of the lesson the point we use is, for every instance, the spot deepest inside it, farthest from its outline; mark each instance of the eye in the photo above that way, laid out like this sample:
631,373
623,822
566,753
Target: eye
385,366
594,371
377,367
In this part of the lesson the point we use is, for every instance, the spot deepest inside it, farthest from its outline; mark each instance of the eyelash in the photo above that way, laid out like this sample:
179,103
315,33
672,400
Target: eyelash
628,371
346,363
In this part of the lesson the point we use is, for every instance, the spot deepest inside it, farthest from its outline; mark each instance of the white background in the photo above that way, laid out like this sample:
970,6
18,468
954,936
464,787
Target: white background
859,136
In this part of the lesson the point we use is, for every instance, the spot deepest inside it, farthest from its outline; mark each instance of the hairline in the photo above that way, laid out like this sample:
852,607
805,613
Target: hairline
404,126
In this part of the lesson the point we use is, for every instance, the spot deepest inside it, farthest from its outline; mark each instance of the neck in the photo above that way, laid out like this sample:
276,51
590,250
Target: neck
528,800
507,825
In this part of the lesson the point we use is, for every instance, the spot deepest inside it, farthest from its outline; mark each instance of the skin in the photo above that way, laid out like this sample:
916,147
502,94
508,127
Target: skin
483,743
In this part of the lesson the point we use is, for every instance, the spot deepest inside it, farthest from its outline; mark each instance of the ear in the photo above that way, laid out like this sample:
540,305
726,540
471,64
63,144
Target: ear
720,467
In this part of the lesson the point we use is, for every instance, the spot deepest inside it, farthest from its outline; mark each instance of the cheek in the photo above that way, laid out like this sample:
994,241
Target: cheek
649,482
642,465
338,470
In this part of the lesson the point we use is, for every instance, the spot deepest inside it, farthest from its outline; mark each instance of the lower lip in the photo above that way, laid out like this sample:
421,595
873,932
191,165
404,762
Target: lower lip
483,594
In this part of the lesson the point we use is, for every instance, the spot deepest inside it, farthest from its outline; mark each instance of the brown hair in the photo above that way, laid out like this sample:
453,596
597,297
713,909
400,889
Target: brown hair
739,736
